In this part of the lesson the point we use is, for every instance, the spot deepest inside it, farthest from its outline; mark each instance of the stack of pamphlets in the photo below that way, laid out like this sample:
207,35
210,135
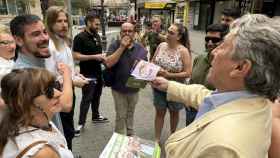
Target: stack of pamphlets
121,146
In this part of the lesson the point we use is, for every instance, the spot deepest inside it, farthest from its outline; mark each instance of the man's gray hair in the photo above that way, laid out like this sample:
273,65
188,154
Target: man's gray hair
257,38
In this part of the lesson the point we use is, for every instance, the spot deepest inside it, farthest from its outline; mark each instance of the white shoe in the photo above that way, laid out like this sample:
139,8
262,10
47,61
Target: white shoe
78,130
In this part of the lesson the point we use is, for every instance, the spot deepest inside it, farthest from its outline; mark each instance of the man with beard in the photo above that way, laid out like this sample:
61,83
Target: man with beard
32,40
88,50
57,24
214,36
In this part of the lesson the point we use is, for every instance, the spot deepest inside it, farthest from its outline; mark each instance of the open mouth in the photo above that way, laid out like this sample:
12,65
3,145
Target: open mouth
44,45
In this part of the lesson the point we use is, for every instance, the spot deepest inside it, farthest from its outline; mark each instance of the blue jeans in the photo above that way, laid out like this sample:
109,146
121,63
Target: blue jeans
190,115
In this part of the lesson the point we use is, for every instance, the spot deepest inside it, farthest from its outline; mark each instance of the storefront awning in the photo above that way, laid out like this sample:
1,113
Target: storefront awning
111,3
158,5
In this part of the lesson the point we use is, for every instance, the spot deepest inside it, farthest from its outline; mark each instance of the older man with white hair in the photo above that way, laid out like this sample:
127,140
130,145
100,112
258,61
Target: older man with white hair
235,120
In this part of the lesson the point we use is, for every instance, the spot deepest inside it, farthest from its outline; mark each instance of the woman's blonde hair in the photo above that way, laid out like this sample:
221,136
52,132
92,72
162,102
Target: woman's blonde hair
4,29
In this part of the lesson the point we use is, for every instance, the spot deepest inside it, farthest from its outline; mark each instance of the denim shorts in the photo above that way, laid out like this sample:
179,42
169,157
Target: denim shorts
161,102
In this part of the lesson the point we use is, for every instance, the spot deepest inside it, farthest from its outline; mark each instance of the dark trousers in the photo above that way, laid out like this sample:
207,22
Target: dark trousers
190,115
67,120
90,96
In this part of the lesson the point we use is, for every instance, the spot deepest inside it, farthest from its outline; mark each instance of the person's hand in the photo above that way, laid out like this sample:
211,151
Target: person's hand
160,83
80,76
80,80
57,108
80,83
100,57
125,42
163,73
63,69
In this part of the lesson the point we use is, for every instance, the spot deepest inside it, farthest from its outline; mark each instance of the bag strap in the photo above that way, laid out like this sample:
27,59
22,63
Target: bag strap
25,150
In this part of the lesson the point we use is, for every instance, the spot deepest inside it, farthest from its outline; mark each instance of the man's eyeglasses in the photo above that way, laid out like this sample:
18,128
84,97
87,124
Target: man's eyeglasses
49,92
213,39
4,43
127,31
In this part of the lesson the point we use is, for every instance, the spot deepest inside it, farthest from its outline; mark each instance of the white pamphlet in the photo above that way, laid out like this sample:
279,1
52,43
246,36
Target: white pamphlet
145,71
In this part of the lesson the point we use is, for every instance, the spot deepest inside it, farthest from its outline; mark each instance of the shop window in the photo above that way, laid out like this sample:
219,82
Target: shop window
22,7
3,7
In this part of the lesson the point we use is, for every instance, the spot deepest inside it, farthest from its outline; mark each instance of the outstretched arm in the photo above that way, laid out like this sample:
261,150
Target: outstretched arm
67,92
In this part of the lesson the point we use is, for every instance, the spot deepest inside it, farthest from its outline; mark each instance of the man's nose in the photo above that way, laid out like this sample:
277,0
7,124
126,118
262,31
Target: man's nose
210,42
12,45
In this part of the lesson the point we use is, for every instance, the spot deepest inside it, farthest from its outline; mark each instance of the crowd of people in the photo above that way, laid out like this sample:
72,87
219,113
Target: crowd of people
229,92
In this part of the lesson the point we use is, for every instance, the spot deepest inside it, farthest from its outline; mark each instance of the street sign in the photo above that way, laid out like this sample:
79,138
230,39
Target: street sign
159,5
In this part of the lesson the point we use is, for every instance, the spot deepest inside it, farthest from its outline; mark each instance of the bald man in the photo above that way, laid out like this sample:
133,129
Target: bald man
121,57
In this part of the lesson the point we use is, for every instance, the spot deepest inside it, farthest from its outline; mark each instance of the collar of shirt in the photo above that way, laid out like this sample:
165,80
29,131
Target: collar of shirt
6,63
217,99
29,61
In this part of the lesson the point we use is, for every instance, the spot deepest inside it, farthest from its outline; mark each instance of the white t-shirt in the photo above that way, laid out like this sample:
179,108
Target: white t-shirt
29,135
6,66
64,56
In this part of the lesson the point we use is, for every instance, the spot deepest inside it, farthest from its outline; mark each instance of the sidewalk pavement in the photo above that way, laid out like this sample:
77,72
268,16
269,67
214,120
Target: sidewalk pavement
95,136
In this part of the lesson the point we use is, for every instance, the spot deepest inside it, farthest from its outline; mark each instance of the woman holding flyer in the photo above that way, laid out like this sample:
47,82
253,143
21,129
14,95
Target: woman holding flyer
174,58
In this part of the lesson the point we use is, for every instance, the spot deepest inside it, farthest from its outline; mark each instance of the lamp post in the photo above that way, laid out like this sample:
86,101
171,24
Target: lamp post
103,37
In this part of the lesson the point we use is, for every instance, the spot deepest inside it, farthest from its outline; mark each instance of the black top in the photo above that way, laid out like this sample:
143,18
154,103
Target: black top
88,44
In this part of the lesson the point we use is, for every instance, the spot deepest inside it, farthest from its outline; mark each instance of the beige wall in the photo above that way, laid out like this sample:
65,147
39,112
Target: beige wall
35,8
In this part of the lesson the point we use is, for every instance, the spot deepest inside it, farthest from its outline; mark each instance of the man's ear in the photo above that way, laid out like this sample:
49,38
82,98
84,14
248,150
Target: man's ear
19,40
241,69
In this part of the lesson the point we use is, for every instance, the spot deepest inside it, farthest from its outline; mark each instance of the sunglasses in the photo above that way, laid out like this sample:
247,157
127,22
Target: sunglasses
49,92
226,20
213,39
127,31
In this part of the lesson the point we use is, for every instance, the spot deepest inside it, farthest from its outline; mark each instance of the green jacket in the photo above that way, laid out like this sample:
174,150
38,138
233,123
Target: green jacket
200,70
153,41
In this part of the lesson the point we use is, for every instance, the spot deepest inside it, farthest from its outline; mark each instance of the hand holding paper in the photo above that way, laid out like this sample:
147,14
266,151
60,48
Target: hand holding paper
145,71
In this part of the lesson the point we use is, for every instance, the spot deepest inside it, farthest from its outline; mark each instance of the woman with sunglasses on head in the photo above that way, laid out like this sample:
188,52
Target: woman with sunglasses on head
174,58
31,98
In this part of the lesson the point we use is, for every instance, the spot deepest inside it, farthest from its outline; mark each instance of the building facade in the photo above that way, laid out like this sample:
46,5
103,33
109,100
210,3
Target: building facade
11,8
205,12
165,8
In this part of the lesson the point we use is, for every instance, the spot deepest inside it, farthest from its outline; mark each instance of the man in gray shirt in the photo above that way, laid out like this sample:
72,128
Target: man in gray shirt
32,40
